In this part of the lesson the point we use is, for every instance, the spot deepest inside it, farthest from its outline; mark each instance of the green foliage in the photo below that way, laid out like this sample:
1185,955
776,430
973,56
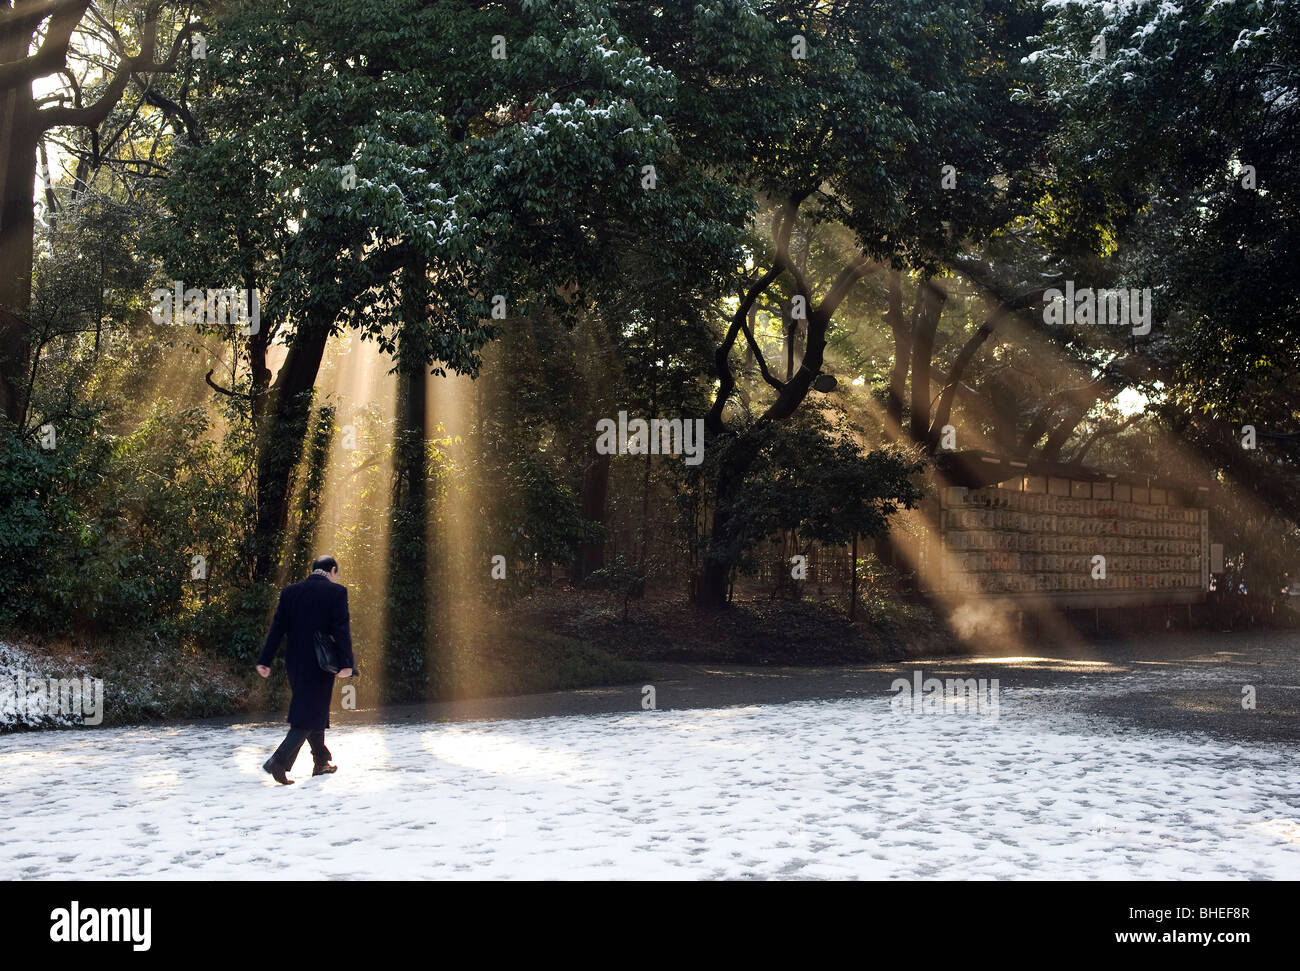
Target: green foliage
536,521
1187,137
31,509
481,168
618,577
1160,130
99,533
809,478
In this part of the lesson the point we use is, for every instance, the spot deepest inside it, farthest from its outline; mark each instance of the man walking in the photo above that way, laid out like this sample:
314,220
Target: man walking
319,603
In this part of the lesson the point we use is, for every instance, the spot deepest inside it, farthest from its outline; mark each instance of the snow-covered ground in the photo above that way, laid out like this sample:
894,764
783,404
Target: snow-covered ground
845,788
19,671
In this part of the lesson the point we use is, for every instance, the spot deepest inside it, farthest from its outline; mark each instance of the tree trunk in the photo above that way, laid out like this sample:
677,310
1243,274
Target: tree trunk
943,412
593,344
853,580
408,602
902,354
712,590
18,134
595,491
407,635
645,488
281,441
720,554
930,305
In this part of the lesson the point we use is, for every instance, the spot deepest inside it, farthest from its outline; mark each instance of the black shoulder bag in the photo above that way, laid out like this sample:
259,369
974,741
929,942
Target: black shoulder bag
327,652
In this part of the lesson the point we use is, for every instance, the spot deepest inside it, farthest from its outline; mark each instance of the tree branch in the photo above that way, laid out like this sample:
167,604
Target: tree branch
226,391
727,380
129,66
758,355
1104,431
943,412
52,55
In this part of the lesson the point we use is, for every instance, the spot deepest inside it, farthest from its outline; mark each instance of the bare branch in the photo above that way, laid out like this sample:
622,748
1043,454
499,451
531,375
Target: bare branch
128,66
758,356
727,380
226,391
52,55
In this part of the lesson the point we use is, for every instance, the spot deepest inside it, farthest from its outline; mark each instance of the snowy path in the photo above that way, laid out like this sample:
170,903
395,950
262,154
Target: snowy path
833,789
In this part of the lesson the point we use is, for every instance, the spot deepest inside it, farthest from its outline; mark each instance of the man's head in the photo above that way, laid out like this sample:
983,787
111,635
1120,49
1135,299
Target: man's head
327,565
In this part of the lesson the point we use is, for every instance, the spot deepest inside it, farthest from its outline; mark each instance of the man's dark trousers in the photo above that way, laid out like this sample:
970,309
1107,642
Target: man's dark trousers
288,751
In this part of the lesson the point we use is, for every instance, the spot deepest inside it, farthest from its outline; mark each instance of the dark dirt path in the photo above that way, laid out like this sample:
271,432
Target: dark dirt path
1184,683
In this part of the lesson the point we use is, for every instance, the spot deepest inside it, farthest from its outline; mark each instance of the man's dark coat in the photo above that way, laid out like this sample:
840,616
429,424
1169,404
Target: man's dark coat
315,604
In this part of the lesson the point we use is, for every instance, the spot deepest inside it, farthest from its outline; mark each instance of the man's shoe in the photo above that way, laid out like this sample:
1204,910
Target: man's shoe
324,768
277,772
